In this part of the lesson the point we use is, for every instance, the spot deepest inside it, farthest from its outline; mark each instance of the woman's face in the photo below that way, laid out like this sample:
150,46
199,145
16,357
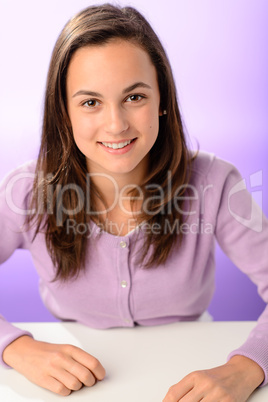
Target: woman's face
113,103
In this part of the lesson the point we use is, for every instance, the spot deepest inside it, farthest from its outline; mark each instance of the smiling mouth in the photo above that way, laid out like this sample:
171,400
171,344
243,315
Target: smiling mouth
118,145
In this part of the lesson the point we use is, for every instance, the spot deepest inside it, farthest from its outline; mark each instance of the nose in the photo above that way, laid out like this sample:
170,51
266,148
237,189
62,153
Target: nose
115,120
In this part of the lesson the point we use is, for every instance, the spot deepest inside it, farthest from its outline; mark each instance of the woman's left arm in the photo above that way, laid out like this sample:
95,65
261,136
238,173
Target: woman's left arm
242,233
232,382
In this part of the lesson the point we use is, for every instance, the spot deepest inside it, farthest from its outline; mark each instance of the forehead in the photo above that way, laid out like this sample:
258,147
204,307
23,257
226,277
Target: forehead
117,62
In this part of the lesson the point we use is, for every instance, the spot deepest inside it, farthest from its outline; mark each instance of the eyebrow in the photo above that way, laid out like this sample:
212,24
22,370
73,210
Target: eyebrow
128,89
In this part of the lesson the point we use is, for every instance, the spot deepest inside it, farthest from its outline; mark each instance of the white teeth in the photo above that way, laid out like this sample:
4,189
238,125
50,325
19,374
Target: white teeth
116,146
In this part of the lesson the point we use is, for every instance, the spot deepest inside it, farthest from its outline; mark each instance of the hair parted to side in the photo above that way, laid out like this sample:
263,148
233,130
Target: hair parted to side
62,163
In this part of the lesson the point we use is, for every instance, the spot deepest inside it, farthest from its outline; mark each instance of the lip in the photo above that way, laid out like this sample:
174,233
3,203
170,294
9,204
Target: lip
119,151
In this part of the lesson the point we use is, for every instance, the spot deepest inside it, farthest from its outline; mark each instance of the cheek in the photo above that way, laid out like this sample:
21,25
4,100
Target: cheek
154,126
82,128
149,121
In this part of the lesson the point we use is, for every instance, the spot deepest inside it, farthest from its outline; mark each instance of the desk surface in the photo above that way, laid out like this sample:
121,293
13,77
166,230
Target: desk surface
141,363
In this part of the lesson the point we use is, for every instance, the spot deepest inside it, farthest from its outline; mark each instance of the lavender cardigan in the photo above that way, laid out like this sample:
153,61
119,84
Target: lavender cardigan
114,291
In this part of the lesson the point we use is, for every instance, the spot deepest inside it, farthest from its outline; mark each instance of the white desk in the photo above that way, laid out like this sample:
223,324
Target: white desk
141,362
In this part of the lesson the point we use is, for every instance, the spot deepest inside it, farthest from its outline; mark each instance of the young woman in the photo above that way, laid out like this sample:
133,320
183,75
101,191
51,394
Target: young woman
120,217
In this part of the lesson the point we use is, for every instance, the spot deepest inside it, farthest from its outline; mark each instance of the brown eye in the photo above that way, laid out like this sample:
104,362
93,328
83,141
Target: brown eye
134,98
91,103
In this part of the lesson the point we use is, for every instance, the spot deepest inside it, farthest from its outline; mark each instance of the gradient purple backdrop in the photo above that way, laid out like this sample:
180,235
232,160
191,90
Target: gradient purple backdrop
219,55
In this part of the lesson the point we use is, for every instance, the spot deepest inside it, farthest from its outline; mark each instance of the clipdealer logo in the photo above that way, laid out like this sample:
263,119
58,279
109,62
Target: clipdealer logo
254,222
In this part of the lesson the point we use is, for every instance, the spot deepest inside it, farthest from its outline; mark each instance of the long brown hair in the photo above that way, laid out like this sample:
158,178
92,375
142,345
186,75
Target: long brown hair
62,163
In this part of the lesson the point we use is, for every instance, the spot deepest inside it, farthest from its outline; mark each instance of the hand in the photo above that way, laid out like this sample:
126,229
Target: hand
58,368
232,382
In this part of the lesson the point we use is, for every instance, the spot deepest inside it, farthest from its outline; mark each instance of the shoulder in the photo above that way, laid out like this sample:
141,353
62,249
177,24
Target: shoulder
27,169
208,167
18,183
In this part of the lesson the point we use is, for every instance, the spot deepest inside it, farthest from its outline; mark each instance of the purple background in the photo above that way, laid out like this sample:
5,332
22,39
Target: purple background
219,55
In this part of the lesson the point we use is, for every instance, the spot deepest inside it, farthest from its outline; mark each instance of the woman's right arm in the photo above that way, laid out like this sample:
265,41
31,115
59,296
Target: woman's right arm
58,368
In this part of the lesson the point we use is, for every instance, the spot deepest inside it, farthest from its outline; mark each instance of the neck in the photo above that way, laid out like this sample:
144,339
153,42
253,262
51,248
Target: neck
114,187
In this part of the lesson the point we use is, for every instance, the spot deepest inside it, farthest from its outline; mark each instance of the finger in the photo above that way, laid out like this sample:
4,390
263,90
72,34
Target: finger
53,385
178,391
69,380
83,374
88,361
192,396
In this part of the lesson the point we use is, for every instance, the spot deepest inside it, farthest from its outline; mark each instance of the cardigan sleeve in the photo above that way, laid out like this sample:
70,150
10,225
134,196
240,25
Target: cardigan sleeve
242,233
14,191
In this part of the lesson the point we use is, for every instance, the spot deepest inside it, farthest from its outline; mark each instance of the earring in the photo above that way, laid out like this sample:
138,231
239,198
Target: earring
164,112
